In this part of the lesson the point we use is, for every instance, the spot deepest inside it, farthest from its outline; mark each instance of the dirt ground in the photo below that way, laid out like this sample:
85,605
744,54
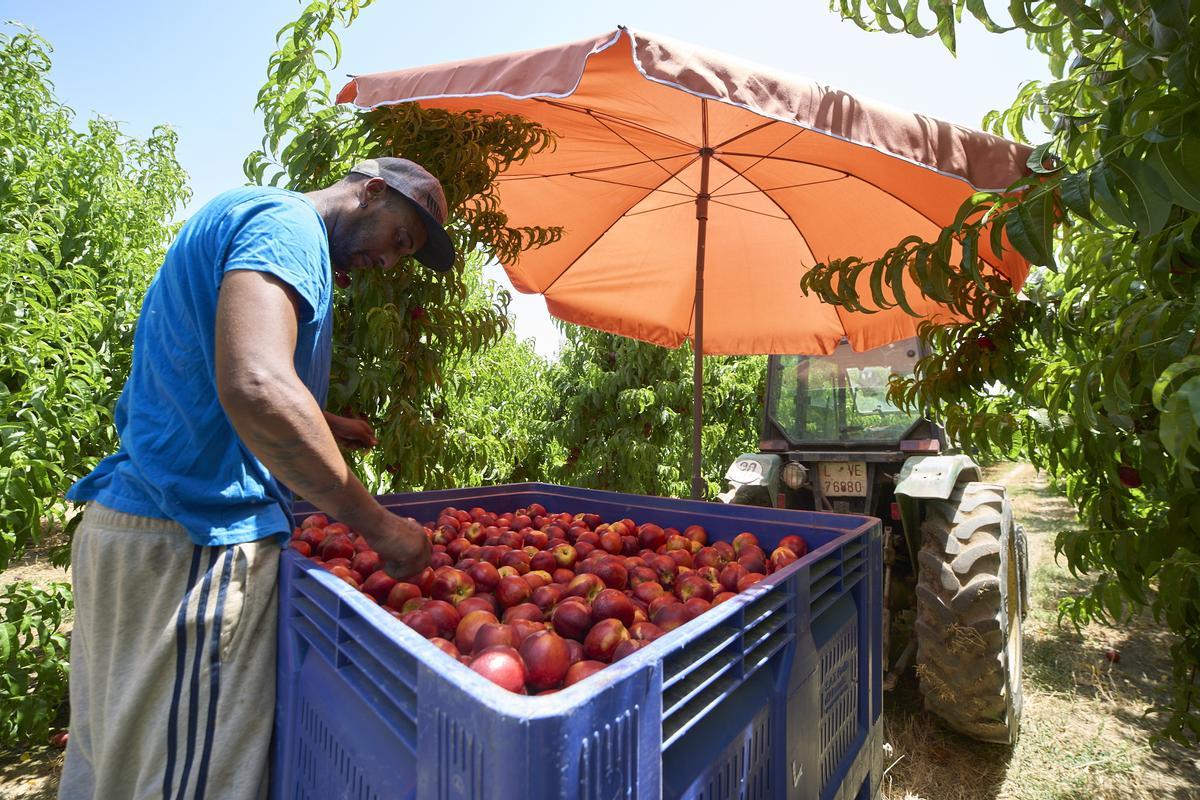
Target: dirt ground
1084,734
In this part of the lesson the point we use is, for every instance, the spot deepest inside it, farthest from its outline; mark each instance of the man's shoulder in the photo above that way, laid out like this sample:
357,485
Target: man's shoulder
263,202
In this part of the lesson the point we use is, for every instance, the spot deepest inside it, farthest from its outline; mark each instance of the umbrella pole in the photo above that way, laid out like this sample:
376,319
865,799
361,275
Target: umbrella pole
698,339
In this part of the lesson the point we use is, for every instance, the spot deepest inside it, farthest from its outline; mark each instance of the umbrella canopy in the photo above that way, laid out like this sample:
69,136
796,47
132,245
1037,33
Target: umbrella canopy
798,173
695,189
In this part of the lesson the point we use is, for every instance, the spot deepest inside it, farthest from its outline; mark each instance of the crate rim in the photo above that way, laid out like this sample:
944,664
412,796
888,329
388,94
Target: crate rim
533,706
748,513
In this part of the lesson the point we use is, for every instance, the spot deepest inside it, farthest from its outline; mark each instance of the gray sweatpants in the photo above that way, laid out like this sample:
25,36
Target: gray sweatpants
172,663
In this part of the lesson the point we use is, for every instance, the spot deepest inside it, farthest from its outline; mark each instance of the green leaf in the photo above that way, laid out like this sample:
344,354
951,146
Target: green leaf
8,641
1020,15
1112,601
1038,158
1178,426
1075,190
1183,368
1030,227
1104,192
978,9
1179,165
1148,195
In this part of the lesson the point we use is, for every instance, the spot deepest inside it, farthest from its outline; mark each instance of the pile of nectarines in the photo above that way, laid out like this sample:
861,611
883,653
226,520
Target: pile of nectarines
536,601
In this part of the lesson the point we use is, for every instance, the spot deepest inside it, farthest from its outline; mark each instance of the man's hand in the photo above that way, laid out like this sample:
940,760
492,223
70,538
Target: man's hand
350,432
401,543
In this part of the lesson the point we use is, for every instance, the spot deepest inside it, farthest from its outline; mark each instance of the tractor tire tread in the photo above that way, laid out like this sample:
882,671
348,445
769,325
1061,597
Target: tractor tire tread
962,620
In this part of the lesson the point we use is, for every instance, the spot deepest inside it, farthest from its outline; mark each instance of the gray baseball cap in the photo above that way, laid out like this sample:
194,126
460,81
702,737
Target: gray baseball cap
425,193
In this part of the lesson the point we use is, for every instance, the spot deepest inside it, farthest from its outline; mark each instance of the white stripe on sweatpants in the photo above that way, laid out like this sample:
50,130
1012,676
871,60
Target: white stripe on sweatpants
173,660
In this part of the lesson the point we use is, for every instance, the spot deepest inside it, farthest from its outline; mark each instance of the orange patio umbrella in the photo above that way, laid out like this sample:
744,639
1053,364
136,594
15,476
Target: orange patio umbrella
694,190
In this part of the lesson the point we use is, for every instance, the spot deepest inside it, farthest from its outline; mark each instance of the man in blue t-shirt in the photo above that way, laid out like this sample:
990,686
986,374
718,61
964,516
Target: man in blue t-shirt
174,564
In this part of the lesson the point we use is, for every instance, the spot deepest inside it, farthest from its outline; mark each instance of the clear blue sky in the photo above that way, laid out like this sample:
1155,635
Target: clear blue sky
198,66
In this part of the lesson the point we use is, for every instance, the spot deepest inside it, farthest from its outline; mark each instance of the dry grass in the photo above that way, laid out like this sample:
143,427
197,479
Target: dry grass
1084,733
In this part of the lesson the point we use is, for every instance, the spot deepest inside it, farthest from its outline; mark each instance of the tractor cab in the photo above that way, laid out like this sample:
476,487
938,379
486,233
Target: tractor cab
831,439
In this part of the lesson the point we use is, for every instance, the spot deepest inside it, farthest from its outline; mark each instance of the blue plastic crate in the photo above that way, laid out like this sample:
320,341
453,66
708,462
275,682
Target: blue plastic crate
776,693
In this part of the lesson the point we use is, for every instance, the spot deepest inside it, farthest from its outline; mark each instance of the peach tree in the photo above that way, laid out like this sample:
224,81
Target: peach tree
620,414
400,334
86,216
1098,361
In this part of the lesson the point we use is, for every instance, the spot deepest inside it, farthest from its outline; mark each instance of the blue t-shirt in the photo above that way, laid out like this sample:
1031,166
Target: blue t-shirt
180,457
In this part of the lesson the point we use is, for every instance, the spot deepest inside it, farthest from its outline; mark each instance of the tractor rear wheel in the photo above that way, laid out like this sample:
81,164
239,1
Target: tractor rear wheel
970,590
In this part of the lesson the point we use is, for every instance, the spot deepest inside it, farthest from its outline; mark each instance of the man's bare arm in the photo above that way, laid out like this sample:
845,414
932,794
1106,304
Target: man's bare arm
278,419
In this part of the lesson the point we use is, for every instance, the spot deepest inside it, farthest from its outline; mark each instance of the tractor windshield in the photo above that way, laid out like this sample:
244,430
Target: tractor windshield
840,397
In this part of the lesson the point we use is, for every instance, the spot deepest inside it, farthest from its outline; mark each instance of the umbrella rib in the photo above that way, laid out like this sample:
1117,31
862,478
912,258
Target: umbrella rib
890,194
619,183
776,149
755,129
841,177
856,177
599,236
767,195
670,175
748,210
579,173
689,201
650,189
598,115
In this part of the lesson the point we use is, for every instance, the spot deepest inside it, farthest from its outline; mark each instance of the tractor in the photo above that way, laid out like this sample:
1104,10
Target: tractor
955,564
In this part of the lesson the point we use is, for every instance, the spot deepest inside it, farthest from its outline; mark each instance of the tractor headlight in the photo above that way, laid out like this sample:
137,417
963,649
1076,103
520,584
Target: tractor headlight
794,474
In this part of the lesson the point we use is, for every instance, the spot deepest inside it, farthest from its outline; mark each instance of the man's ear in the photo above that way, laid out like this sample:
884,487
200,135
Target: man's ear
372,190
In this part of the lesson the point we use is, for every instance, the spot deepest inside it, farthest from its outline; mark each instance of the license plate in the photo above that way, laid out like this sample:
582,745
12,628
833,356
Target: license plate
843,478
